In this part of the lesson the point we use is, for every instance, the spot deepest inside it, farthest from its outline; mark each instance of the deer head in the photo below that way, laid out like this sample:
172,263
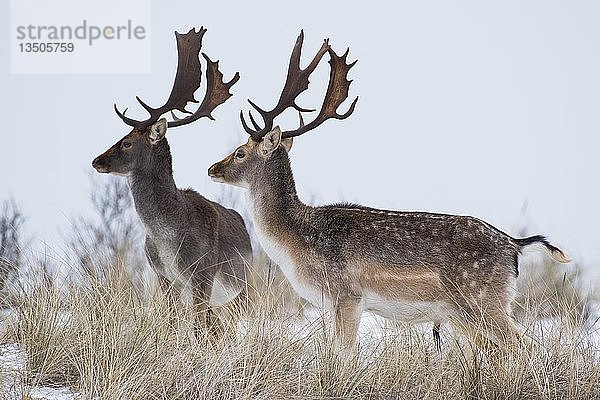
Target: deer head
249,159
137,147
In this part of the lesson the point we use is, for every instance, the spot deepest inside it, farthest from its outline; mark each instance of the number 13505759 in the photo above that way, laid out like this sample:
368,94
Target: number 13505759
46,47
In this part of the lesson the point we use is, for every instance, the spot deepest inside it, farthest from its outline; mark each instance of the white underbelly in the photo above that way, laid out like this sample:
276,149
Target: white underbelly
406,311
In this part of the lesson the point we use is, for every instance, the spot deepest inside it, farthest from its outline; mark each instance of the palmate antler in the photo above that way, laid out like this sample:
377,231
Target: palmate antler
296,83
187,81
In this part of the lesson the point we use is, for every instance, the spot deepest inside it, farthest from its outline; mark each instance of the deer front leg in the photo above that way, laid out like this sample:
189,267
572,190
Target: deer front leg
204,315
169,289
173,294
346,318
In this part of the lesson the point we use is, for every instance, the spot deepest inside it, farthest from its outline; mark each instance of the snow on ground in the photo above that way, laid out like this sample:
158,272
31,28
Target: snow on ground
12,368
372,329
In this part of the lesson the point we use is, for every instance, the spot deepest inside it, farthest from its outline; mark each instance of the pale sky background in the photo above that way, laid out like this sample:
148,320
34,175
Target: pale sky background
465,107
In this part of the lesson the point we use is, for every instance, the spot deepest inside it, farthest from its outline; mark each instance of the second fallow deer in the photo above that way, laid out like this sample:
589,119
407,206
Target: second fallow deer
191,242
346,258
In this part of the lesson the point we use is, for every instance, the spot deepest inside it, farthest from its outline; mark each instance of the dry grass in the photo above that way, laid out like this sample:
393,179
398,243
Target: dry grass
115,340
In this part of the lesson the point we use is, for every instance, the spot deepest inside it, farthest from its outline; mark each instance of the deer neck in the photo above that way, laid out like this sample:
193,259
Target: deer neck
272,197
153,189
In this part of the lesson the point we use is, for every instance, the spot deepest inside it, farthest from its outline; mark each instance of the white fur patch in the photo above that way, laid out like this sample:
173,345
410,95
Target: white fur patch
277,252
406,311
171,270
222,293
120,174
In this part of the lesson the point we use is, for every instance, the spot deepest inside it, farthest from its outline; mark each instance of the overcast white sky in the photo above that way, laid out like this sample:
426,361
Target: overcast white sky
469,108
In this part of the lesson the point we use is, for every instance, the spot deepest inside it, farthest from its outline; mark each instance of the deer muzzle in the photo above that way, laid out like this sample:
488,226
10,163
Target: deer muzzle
100,165
216,172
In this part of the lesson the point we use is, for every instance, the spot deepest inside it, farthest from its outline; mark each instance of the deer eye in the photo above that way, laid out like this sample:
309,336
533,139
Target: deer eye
126,144
240,154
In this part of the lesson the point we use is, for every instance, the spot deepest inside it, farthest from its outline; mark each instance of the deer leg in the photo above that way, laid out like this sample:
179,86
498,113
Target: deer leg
481,340
471,324
236,308
240,305
492,330
346,318
436,337
502,328
173,295
214,324
204,315
170,290
200,309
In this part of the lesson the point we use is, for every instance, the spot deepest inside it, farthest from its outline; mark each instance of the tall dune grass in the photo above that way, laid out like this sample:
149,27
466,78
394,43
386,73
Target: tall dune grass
107,333
112,339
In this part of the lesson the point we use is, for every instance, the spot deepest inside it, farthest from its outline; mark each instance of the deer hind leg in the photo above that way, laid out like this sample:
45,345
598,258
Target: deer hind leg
498,322
491,329
476,333
231,306
501,327
346,319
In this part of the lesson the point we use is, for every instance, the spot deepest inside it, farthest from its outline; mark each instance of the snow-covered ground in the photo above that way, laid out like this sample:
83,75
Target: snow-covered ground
373,328
12,369
13,384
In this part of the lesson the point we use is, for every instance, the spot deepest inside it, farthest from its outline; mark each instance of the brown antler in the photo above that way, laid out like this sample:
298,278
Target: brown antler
187,81
296,83
217,92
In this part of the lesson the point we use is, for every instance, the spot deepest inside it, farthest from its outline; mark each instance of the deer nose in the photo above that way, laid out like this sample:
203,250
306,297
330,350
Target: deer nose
98,164
95,162
212,171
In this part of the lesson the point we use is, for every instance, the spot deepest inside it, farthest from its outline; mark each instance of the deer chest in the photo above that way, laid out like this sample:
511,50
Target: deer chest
296,274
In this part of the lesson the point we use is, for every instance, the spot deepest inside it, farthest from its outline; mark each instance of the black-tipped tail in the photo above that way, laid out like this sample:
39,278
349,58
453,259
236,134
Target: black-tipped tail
556,253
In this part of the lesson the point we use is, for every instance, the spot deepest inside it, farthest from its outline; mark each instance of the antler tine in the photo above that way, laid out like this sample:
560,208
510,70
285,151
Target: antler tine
254,123
337,93
301,119
146,106
129,121
256,134
249,131
175,117
264,115
262,112
217,92
296,83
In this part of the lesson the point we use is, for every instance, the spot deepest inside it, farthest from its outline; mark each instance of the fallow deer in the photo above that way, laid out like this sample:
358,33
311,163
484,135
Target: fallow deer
346,258
191,242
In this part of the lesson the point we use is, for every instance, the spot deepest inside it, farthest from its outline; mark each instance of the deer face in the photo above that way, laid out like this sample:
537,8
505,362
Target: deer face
132,152
248,160
135,150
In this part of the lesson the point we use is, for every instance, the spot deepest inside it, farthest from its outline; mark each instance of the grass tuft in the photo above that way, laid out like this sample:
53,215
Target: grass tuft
111,339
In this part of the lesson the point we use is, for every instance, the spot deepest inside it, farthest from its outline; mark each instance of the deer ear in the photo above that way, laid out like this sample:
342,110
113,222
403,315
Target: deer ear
270,141
157,131
287,143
